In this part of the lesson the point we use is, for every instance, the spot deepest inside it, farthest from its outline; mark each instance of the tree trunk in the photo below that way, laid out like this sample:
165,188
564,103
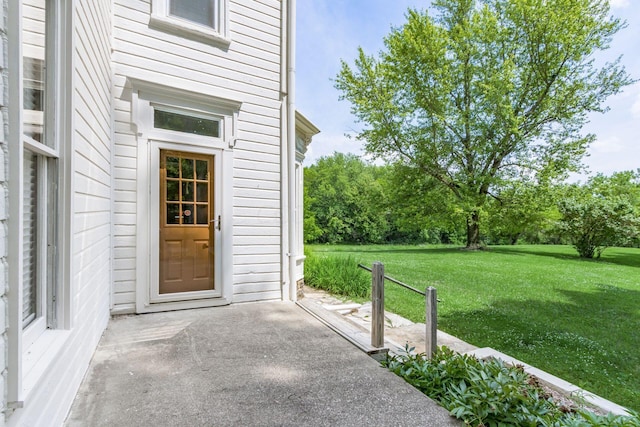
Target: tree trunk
473,231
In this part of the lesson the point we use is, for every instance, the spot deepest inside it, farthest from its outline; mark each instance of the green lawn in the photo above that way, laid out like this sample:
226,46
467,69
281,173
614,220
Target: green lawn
577,319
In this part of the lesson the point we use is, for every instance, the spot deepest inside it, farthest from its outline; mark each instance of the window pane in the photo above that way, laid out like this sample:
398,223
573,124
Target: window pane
187,124
198,11
34,70
29,242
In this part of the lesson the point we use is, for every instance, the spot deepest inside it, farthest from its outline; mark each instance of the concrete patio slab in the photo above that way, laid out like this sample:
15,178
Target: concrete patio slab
254,364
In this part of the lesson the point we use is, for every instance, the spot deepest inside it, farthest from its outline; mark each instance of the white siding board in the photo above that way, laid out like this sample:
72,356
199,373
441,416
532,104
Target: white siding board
256,250
244,202
257,278
258,296
261,185
124,252
256,230
252,221
246,288
256,240
124,298
269,258
260,166
239,212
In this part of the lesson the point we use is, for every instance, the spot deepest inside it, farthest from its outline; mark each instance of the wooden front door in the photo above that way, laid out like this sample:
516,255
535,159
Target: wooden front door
186,260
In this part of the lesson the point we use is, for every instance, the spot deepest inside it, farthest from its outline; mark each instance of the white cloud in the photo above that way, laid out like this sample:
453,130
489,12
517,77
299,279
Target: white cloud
325,144
608,145
620,3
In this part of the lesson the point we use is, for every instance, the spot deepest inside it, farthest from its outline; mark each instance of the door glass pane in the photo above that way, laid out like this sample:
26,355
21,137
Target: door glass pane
203,191
201,170
187,169
198,11
187,213
173,167
202,217
173,213
172,191
187,191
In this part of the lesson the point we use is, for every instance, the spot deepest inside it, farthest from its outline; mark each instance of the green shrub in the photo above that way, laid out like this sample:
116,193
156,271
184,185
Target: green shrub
489,393
336,274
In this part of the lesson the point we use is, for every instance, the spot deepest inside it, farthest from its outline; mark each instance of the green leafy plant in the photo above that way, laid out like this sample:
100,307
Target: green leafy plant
490,393
336,274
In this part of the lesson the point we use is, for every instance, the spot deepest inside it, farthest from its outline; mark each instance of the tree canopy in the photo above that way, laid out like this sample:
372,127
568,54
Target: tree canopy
486,91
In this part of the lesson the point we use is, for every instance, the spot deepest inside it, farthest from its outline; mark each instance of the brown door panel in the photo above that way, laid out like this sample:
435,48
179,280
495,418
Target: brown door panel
186,231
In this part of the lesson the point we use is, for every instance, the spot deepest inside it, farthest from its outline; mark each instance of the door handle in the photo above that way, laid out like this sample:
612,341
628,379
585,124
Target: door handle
217,223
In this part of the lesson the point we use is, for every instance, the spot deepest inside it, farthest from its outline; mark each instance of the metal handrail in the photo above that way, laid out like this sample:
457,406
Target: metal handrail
397,282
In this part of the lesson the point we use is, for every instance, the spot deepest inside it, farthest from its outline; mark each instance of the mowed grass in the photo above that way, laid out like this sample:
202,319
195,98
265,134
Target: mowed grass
577,319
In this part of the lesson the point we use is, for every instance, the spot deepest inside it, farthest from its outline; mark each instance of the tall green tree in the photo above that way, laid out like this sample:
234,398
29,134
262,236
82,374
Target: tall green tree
344,202
486,91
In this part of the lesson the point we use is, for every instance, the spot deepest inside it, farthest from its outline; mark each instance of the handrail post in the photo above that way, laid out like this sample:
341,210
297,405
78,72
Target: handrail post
431,302
377,305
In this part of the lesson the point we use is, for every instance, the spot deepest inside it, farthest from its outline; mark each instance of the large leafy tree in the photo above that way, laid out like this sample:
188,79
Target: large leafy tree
486,91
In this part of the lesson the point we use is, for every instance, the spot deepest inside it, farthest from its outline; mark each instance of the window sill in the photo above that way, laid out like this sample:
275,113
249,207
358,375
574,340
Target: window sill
38,357
187,30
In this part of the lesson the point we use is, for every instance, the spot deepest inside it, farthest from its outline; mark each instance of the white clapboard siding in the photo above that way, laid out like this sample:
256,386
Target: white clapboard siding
248,72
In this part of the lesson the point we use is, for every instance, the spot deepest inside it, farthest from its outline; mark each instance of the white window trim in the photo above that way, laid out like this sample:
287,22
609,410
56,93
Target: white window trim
219,34
145,96
30,353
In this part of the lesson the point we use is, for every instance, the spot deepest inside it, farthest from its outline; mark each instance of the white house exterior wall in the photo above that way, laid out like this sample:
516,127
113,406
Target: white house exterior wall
247,71
89,184
4,102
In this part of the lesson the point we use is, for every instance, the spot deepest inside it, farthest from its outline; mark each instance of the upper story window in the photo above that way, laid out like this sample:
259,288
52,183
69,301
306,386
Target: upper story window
204,20
199,11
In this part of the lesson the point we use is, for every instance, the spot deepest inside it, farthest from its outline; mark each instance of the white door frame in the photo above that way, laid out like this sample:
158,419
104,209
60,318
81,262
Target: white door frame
145,96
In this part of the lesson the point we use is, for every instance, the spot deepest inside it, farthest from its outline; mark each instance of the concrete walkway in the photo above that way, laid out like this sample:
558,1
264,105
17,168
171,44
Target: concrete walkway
261,364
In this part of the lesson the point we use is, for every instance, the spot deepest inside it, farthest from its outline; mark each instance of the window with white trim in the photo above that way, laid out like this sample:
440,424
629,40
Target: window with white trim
205,20
38,296
40,156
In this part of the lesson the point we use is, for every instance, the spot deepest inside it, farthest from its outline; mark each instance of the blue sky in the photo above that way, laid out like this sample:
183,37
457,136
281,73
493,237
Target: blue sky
330,30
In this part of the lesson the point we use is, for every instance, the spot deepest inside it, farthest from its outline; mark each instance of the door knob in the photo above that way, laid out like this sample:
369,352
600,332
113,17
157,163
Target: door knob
217,223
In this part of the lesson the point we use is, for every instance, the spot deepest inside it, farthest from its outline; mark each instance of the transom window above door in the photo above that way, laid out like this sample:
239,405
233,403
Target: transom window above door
202,19
179,122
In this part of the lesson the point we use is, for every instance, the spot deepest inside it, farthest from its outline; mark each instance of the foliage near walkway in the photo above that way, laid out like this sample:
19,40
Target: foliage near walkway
490,393
577,319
